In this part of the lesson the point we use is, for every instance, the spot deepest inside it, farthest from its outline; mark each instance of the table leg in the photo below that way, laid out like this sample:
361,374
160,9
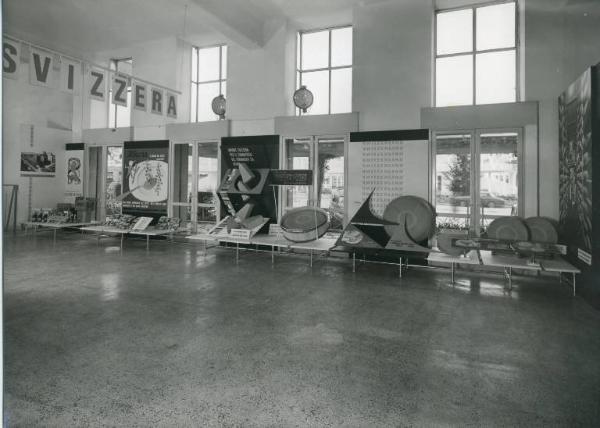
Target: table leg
311,258
272,254
510,278
237,252
353,262
452,272
122,234
54,238
147,242
400,267
574,284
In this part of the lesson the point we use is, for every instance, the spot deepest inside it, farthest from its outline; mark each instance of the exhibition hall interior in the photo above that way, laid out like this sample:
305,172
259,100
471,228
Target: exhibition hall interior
251,213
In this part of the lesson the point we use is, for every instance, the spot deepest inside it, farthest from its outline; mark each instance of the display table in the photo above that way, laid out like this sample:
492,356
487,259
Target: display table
55,226
507,263
322,245
151,231
471,258
106,230
561,266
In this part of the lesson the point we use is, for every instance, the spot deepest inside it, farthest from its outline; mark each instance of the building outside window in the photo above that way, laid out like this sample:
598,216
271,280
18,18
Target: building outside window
120,116
324,66
476,55
209,80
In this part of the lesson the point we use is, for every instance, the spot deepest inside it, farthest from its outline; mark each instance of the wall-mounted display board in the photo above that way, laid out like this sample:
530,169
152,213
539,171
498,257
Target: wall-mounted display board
393,163
579,222
259,154
74,170
146,178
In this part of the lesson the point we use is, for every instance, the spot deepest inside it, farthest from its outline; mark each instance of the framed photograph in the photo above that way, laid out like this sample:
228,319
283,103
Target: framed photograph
38,164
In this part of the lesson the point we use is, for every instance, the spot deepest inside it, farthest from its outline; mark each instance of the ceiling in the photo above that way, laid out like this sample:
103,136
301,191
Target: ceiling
82,27
79,27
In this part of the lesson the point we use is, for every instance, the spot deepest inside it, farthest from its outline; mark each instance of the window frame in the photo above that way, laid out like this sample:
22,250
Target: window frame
222,79
329,68
114,62
474,52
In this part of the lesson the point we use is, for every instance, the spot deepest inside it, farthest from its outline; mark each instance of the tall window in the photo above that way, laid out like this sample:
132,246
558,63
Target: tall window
476,55
324,66
209,80
119,116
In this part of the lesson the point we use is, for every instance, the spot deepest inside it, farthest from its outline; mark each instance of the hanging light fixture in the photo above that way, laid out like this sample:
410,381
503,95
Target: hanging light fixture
219,106
303,98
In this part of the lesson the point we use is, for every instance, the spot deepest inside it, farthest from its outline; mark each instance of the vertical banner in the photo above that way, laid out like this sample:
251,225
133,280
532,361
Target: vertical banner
145,183
70,76
41,68
157,101
119,89
74,170
11,61
96,83
139,98
172,105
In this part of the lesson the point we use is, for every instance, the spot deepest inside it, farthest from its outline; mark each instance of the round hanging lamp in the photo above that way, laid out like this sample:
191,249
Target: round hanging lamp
219,106
303,98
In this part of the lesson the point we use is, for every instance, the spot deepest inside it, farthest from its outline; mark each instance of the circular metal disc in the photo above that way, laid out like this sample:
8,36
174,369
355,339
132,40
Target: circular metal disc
508,229
419,214
542,229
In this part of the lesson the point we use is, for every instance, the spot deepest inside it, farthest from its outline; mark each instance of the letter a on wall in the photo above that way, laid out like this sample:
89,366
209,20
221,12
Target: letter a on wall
119,90
11,52
139,100
172,105
97,84
41,68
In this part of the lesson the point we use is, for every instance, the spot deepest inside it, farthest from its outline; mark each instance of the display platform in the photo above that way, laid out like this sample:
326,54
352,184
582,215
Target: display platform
55,226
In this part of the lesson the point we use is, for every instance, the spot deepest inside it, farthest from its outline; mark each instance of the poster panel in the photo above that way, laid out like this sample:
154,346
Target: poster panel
41,68
393,163
74,170
146,177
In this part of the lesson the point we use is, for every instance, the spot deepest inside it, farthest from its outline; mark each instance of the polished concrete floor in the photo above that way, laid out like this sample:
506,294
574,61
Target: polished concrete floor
171,337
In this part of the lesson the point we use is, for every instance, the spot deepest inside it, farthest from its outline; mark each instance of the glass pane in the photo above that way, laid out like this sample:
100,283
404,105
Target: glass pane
184,213
194,65
496,26
315,50
208,64
341,47
454,81
206,93
496,77
298,36
207,173
193,102
182,184
207,214
454,32
318,83
223,62
114,179
298,157
453,181
224,89
331,180
341,90
499,176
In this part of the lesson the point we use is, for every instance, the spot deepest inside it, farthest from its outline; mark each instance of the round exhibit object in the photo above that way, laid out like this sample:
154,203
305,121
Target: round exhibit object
304,224
508,229
542,230
444,243
148,180
303,98
419,214
219,106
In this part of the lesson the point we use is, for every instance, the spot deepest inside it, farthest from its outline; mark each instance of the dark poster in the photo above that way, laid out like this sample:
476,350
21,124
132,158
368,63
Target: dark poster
146,177
575,168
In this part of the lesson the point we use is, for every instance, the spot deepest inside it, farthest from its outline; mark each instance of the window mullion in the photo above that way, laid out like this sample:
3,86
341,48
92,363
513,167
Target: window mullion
474,56
329,74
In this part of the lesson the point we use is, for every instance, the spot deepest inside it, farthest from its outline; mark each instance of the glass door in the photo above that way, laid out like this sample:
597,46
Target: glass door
499,179
195,180
113,183
325,156
477,177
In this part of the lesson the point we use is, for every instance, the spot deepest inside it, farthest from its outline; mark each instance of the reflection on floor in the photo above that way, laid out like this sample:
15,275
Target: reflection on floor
171,337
